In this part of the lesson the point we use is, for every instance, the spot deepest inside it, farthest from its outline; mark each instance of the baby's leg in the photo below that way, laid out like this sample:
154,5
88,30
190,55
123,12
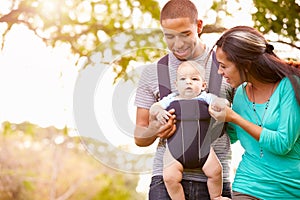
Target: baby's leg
172,174
213,170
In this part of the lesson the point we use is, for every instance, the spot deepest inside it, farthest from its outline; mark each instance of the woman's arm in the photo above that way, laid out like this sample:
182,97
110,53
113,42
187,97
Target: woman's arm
279,140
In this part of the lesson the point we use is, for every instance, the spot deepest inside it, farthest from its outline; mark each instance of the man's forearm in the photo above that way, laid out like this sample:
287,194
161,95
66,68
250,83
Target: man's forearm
144,136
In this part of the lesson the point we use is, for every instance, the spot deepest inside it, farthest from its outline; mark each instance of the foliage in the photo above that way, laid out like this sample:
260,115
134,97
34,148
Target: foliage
93,26
90,26
83,25
281,17
51,165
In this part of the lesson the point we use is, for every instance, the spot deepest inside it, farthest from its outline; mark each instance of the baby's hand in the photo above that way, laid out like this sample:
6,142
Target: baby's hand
163,116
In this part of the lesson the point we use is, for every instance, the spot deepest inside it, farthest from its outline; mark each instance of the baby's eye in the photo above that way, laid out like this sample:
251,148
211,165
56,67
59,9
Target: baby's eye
196,79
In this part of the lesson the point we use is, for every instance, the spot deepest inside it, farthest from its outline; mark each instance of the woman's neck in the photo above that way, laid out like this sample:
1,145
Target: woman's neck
260,92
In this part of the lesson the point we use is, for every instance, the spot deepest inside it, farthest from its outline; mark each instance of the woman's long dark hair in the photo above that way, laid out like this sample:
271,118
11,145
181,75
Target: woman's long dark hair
249,50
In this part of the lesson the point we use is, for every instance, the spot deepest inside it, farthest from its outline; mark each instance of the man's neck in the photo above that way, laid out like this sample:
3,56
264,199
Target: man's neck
199,50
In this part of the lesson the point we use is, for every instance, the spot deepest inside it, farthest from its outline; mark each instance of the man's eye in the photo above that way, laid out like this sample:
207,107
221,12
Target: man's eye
169,36
185,34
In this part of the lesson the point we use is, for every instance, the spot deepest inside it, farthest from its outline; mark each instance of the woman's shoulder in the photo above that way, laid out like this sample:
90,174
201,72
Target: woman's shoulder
285,88
240,88
285,83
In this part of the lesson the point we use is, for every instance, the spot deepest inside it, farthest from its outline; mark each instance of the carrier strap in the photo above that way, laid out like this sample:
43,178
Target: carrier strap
163,76
215,79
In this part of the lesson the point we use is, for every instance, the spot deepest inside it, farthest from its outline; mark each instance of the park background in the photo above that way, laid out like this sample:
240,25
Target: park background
59,59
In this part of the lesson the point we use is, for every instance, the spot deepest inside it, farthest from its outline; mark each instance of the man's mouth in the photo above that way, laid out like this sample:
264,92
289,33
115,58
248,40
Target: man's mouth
181,53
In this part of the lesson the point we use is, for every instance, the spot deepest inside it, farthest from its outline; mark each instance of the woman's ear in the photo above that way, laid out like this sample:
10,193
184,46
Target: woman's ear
244,73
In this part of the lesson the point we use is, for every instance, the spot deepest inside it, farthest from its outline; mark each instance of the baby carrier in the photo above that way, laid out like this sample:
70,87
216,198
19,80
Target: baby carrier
190,144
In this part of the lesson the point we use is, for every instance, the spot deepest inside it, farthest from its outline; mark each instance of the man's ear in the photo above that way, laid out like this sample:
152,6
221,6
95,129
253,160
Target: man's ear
199,26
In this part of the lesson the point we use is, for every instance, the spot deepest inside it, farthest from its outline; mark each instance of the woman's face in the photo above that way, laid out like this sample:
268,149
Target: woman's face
228,69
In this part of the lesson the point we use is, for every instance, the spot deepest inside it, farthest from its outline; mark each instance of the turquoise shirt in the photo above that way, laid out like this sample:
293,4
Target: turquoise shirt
270,167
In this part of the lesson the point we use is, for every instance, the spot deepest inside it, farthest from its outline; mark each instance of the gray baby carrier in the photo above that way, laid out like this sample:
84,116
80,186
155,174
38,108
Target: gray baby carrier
190,144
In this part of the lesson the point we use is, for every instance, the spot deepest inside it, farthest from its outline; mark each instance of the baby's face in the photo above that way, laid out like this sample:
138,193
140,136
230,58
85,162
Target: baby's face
189,82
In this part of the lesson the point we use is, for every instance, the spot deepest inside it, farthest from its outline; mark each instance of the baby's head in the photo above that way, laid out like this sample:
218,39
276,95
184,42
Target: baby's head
190,80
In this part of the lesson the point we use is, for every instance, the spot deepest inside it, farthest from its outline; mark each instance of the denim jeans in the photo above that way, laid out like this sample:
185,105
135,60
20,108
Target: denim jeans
193,190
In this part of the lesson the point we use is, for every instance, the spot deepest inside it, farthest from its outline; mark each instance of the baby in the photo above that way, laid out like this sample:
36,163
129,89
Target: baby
190,84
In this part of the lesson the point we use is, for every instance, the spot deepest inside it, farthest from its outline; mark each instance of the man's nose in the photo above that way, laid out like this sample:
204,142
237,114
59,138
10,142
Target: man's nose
178,42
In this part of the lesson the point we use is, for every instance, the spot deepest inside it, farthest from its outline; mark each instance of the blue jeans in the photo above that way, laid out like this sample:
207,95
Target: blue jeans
193,190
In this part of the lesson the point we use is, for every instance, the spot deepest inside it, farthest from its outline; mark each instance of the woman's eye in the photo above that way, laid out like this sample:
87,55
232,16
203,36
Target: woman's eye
222,66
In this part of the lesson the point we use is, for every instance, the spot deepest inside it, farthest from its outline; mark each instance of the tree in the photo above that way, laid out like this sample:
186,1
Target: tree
85,25
281,17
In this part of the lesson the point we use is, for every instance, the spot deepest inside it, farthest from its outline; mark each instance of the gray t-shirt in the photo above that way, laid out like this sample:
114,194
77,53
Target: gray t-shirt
148,93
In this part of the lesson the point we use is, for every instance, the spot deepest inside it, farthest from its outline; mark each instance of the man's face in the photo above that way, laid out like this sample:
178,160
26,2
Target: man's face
181,36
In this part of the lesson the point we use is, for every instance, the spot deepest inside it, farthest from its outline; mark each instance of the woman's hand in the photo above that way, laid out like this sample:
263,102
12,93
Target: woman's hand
218,109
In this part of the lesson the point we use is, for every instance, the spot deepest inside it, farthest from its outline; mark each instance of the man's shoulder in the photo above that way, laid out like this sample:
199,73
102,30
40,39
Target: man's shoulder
152,67
149,69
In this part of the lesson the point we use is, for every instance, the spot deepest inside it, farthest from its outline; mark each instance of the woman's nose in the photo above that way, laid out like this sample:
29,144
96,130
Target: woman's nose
220,70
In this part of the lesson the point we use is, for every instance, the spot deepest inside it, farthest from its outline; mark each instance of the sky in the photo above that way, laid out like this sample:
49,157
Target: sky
35,80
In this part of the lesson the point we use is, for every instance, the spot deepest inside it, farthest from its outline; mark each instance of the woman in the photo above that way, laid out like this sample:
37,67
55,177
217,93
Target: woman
265,115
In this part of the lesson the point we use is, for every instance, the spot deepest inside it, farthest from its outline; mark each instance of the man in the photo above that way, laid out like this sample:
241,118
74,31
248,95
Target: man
181,27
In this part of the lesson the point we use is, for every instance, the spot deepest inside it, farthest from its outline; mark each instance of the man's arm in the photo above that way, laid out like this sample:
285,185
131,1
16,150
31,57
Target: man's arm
146,131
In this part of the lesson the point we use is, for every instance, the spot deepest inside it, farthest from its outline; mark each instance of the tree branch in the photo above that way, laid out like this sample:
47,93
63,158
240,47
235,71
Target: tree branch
290,44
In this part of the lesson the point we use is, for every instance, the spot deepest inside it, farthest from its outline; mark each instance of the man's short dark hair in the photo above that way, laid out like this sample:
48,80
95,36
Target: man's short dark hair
179,9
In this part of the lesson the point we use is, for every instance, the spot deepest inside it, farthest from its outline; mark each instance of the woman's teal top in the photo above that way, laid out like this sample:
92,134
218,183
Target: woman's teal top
270,167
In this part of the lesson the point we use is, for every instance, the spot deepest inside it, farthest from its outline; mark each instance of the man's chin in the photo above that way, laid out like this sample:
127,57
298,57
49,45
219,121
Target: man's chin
181,57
